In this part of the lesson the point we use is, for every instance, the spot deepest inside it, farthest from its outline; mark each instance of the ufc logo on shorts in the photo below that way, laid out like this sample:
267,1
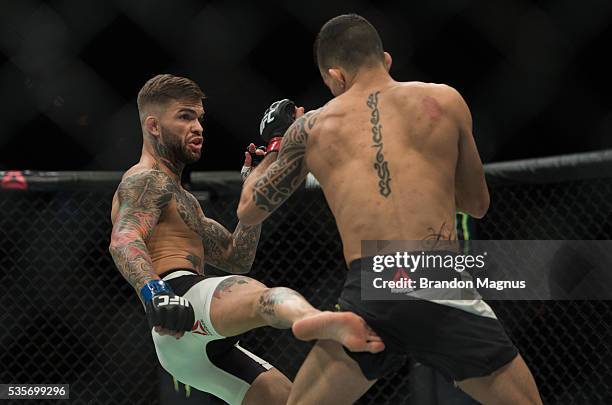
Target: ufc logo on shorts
165,300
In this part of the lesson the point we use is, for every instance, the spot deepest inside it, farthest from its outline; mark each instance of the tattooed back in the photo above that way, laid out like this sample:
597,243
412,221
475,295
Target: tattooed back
385,158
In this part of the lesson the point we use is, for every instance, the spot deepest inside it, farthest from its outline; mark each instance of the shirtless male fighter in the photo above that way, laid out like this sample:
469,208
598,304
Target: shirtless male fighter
395,161
161,240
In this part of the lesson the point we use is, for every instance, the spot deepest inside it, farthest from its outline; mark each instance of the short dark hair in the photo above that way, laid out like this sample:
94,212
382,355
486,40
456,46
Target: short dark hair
164,88
348,41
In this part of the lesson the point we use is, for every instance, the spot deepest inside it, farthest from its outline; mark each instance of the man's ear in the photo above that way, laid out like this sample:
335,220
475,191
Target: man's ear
151,125
338,76
388,61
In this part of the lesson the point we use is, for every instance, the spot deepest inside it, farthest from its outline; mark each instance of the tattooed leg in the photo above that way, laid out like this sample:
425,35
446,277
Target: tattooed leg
226,285
233,309
284,308
281,307
241,303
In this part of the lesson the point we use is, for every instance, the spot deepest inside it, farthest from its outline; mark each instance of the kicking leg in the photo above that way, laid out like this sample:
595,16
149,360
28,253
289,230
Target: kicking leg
346,328
241,303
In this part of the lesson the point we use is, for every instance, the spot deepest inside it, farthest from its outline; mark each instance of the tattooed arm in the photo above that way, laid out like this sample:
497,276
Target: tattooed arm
267,188
141,197
233,253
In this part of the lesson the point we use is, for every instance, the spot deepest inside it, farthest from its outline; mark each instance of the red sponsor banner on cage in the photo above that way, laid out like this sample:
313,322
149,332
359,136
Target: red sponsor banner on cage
14,180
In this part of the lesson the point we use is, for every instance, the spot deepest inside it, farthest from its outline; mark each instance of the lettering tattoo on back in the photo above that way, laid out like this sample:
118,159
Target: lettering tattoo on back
380,164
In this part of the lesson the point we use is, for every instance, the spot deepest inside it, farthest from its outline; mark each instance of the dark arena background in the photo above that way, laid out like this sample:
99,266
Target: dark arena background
536,75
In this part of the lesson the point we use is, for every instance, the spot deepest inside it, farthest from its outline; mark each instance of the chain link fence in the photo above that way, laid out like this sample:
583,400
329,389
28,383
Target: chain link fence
567,344
69,317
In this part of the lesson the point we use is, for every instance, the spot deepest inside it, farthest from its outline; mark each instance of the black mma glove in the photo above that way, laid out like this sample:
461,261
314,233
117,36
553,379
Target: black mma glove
256,159
276,120
166,309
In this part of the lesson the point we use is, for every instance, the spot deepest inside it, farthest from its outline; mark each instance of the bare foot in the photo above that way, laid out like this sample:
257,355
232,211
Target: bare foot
346,328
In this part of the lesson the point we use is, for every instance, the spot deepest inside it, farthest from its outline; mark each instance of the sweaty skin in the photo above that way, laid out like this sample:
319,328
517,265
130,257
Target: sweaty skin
387,160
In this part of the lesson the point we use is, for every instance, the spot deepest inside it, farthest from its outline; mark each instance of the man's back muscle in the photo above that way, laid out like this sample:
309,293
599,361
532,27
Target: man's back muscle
386,161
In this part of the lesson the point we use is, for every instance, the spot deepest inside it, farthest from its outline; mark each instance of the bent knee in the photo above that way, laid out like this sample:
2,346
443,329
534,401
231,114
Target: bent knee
237,283
278,393
246,282
270,387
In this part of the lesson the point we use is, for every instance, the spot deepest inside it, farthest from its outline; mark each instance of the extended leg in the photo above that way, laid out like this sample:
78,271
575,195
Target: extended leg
241,303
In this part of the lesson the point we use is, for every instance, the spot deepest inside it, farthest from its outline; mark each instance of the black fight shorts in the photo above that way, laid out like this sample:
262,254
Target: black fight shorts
460,343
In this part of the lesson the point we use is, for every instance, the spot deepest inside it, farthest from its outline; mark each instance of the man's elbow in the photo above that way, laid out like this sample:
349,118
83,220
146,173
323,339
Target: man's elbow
249,215
114,249
238,265
481,207
474,207
241,269
119,242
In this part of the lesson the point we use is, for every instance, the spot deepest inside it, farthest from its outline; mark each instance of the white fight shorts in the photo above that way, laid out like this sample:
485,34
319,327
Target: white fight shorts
203,358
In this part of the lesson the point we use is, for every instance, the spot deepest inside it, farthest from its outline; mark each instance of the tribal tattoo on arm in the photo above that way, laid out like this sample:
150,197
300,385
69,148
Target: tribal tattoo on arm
142,197
289,170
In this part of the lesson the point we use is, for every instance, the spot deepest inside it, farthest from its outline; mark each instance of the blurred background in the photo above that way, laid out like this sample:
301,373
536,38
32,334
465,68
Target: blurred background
535,73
